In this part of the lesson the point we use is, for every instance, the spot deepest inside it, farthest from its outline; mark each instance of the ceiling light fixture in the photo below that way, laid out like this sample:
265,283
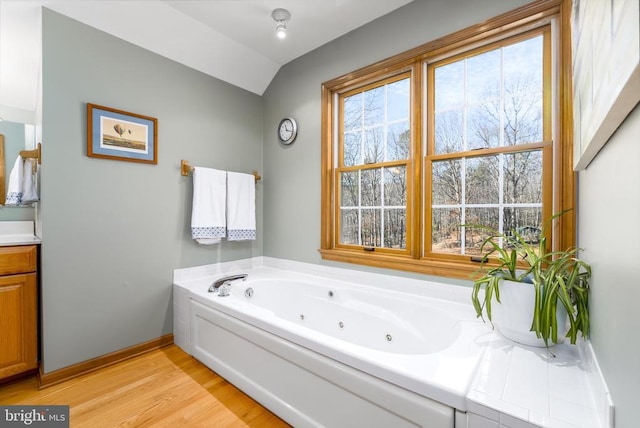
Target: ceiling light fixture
281,16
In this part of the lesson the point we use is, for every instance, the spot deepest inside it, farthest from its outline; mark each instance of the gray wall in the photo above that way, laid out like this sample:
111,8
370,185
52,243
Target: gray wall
114,231
609,209
292,208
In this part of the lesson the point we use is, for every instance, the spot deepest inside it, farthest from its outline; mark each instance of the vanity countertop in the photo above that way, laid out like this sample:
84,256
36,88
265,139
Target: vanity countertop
17,233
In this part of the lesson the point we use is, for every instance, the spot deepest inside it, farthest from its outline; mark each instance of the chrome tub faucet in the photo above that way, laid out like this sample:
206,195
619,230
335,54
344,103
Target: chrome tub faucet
226,281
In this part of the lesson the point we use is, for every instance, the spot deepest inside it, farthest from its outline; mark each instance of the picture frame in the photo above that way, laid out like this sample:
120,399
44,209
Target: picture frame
604,32
121,135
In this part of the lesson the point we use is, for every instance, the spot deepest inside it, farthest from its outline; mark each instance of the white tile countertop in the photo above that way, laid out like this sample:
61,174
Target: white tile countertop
519,386
17,233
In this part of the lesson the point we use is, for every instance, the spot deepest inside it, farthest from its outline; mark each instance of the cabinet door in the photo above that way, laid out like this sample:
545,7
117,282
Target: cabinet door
18,324
20,259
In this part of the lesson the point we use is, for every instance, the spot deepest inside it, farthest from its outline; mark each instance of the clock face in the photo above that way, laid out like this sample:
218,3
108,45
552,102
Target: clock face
287,130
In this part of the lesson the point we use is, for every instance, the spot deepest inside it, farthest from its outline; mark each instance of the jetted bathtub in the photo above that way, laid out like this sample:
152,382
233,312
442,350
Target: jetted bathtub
331,347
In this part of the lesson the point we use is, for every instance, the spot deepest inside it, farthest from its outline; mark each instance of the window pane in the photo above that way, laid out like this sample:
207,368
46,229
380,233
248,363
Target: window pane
398,141
377,124
488,217
483,76
491,99
482,179
523,63
353,112
495,100
349,189
449,128
398,100
395,228
483,125
395,186
446,182
449,83
349,227
374,145
445,230
527,222
522,118
523,178
353,148
374,106
517,175
371,187
523,91
371,228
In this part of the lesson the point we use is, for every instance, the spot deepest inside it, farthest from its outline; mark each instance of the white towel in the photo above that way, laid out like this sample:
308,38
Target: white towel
208,211
14,188
29,192
241,206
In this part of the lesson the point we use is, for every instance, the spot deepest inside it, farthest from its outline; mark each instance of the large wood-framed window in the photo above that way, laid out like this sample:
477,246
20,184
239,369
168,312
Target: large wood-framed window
489,148
471,128
373,166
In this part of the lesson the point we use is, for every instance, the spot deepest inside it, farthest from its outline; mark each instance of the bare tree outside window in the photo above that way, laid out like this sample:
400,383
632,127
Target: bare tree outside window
373,201
463,132
486,101
490,100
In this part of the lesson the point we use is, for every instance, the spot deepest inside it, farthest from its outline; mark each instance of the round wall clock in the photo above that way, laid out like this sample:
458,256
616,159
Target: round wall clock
287,130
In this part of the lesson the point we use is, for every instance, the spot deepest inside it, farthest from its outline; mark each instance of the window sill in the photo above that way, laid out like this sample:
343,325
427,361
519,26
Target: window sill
404,263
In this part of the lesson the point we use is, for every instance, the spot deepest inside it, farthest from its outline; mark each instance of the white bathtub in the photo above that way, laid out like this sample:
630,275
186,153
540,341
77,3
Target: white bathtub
320,351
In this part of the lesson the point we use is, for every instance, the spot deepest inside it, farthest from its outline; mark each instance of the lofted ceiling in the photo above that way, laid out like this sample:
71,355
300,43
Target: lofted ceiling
233,40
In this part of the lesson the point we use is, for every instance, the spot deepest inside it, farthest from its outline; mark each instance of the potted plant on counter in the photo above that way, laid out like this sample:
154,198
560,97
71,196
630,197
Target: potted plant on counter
536,290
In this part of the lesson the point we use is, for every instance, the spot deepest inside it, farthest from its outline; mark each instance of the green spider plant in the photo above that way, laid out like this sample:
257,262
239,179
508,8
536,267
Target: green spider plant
557,277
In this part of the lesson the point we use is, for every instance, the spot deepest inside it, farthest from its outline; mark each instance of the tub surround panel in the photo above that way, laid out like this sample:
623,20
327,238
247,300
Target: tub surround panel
305,388
511,386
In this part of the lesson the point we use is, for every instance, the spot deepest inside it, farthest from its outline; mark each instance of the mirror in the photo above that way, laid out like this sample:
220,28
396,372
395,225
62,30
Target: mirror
2,171
15,137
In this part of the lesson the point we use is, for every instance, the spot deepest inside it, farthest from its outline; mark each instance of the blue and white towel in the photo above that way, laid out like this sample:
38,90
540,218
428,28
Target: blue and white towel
241,206
21,189
208,223
14,188
29,192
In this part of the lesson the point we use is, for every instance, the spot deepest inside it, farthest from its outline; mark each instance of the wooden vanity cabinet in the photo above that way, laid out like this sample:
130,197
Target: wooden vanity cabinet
18,310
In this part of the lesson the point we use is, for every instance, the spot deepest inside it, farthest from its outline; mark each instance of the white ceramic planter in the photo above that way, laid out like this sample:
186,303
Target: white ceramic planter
513,316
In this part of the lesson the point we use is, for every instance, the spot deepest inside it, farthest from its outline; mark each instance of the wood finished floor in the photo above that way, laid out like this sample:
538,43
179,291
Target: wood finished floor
163,388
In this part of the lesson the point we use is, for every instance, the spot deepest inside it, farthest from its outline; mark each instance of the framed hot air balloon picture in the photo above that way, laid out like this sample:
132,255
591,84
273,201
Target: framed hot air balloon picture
121,135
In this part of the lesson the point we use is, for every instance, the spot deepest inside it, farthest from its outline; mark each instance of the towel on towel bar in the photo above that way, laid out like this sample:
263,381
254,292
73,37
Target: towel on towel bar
209,202
14,188
241,206
29,192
